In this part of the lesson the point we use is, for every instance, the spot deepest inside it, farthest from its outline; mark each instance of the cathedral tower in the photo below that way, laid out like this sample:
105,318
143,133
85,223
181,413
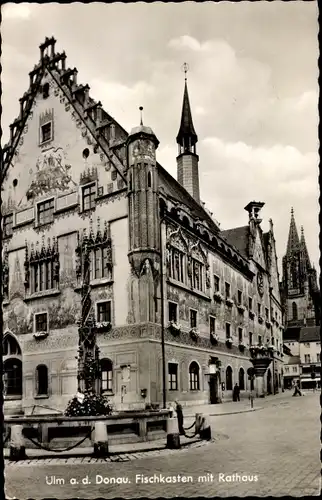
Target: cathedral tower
300,289
144,223
187,159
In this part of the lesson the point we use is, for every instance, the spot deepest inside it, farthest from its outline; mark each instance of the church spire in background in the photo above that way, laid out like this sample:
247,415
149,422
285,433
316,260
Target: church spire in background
304,249
293,242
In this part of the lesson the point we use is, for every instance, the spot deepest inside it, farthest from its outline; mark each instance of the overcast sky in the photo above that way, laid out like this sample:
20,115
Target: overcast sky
252,84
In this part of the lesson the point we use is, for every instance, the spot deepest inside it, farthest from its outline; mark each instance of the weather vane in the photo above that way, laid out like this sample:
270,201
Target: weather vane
185,69
141,109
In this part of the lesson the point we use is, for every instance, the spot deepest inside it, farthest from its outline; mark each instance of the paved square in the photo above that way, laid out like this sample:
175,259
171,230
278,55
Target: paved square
271,452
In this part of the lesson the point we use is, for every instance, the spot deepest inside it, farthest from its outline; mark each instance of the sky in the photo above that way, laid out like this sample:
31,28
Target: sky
253,88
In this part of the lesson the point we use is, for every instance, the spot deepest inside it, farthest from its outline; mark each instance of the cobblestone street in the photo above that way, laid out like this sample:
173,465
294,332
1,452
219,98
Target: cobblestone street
279,444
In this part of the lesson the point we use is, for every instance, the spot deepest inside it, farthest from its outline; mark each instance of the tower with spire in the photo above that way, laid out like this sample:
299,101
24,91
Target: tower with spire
299,288
187,159
143,199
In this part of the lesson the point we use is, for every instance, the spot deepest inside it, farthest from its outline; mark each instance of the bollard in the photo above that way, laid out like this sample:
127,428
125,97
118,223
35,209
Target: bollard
17,448
100,440
205,429
173,438
199,417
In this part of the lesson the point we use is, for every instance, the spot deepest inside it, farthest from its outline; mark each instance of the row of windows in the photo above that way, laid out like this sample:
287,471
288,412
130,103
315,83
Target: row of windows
103,315
45,209
287,369
308,359
173,317
12,369
194,377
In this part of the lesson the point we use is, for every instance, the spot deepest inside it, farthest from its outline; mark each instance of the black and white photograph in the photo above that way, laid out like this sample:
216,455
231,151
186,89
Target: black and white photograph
160,284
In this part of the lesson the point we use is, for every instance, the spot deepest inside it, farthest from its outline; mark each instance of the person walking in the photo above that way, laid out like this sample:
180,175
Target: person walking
236,393
297,391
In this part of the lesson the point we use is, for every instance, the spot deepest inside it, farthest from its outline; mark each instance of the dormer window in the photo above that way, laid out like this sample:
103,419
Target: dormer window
46,132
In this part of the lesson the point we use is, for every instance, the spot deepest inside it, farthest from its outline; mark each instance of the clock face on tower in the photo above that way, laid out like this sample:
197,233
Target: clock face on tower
260,283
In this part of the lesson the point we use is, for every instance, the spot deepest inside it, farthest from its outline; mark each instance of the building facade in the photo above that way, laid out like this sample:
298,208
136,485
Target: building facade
302,305
174,298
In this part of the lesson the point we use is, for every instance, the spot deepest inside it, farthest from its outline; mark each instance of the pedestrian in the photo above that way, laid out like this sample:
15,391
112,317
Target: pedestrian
236,393
297,391
180,418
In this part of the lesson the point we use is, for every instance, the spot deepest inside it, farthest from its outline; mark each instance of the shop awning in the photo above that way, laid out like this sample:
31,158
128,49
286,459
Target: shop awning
309,379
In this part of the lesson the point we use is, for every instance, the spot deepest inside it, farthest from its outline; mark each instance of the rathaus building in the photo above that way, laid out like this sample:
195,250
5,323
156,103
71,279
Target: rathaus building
176,300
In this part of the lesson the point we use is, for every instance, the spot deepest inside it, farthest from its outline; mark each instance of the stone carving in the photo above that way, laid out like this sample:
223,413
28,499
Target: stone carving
208,276
146,267
52,173
176,238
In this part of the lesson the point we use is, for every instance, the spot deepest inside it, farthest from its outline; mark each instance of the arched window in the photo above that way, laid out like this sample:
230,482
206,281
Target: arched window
10,346
12,377
106,375
12,366
294,310
229,378
194,376
241,379
42,380
149,180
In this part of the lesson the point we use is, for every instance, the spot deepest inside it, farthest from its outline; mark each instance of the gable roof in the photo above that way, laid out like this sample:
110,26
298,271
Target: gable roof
174,190
292,333
310,334
294,360
238,237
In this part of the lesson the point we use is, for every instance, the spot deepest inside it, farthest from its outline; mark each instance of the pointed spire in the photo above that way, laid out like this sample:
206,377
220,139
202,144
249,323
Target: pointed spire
304,249
187,137
293,243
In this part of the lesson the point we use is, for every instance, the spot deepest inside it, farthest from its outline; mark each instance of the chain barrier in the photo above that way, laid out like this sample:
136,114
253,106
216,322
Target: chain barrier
56,450
188,428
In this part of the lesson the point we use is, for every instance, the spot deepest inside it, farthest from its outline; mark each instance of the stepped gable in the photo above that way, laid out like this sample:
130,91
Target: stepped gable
77,96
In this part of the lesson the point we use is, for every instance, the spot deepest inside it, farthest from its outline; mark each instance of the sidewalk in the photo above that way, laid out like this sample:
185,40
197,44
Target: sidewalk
230,407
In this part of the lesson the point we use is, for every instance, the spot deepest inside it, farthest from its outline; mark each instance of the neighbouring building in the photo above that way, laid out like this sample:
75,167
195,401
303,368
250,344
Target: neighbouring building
302,306
75,181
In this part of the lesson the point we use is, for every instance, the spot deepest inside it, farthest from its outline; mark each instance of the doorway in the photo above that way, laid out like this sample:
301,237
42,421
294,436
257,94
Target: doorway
269,382
213,389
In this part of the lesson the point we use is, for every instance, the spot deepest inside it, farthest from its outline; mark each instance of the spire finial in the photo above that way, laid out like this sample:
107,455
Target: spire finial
292,212
185,69
141,114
